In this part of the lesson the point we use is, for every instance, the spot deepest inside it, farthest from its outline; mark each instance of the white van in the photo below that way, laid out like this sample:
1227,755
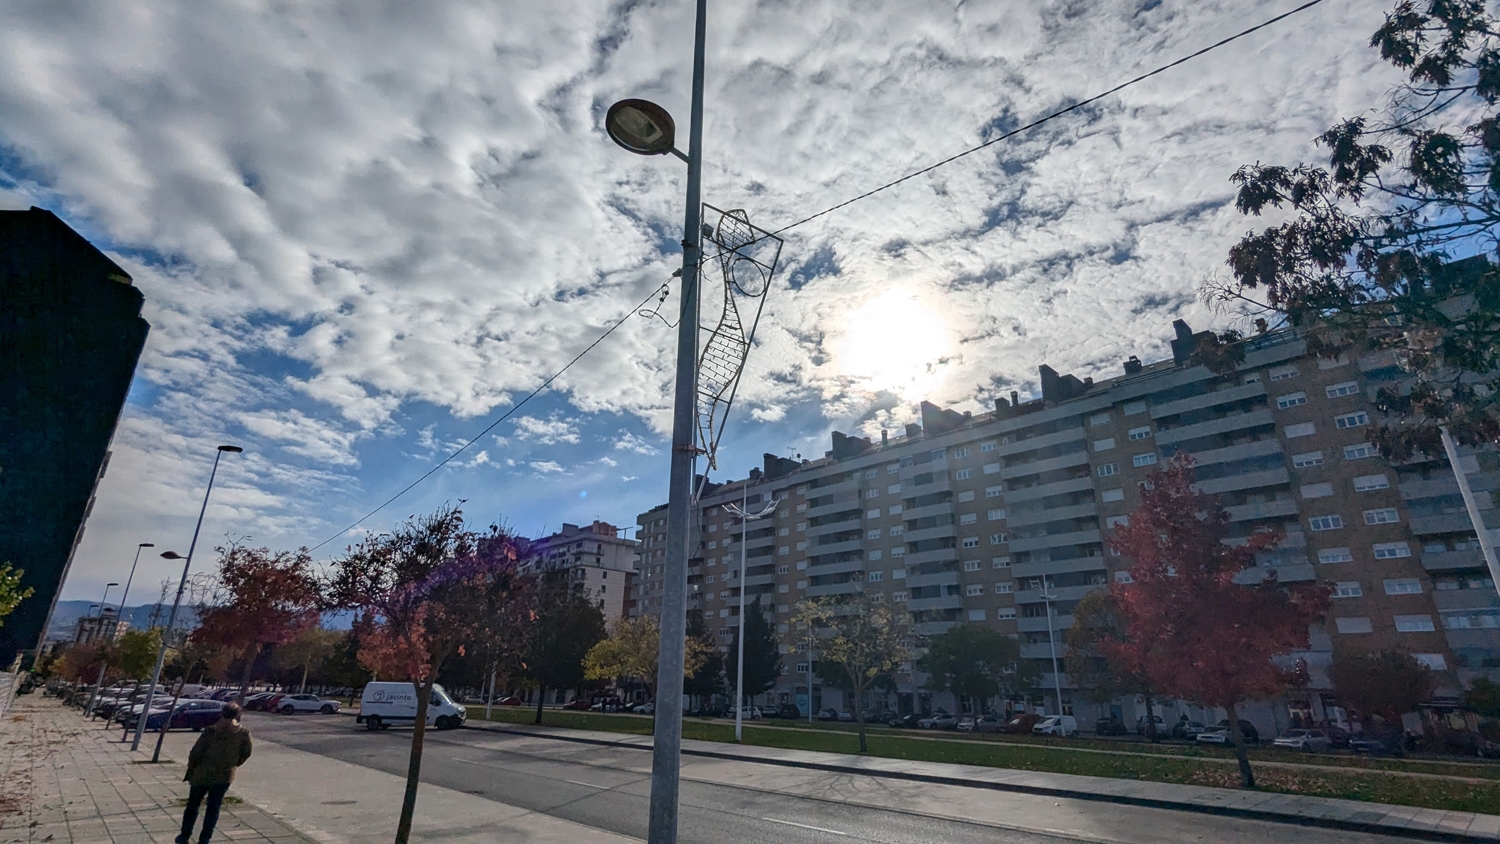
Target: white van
1056,725
384,704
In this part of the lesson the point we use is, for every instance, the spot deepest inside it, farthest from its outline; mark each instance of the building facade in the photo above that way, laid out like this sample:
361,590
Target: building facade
596,557
105,628
975,518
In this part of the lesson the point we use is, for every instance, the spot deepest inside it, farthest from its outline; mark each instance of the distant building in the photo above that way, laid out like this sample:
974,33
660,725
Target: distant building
99,628
70,334
596,557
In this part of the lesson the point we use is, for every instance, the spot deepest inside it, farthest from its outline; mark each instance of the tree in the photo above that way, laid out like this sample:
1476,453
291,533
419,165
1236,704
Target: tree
866,638
1388,683
708,680
1107,662
762,653
262,599
976,663
308,652
631,651
11,593
1223,636
135,652
1483,697
1365,260
425,591
567,626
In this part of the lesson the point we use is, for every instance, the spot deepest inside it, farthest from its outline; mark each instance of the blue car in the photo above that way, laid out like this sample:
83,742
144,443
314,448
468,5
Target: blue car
189,715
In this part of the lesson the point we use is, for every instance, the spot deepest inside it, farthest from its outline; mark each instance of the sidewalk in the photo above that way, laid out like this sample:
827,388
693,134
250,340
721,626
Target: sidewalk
1350,815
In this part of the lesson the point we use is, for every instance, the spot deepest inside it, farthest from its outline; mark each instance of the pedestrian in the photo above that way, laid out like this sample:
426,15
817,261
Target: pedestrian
221,749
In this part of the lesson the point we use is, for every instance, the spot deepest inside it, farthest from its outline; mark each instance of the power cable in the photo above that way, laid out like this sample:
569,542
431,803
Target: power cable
522,403
1053,116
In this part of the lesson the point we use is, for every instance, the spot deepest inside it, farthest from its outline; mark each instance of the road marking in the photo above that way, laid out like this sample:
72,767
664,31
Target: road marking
589,784
806,826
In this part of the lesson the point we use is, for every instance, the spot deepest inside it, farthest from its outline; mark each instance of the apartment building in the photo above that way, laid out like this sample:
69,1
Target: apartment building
596,557
986,518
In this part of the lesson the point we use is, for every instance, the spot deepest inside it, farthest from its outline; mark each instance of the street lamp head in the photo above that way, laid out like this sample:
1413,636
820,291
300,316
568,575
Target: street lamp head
231,449
147,545
107,585
641,126
171,555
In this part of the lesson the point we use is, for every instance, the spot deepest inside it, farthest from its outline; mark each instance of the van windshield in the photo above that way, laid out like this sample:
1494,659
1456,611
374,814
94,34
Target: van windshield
440,695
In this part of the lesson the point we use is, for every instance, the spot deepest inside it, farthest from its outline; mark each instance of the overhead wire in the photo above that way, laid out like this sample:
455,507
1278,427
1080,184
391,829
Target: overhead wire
1053,116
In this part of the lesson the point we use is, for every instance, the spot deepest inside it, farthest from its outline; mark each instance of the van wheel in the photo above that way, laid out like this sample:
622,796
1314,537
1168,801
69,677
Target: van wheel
373,723
443,723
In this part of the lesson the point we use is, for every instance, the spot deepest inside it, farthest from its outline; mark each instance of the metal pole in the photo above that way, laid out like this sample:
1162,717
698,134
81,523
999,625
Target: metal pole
489,699
1486,543
666,749
809,675
161,734
1052,645
739,662
161,654
132,573
104,602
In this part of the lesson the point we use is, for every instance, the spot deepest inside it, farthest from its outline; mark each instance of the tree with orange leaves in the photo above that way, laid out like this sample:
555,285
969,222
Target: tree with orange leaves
1224,636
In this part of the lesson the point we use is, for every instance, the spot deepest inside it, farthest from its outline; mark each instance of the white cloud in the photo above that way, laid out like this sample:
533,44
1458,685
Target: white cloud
302,435
608,461
546,467
629,478
546,431
630,442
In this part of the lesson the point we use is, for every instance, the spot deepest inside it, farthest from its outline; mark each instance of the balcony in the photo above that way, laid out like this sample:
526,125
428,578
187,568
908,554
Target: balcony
1262,510
1080,458
1080,537
1034,443
759,580
933,628
1076,511
848,484
1045,490
1059,593
939,578
839,506
1457,522
1218,397
1471,558
836,547
840,526
1430,488
758,542
1039,625
936,555
1233,422
935,532
1465,599
1249,480
1291,573
1243,451
945,602
906,473
1043,650
848,588
1052,567
926,510
835,568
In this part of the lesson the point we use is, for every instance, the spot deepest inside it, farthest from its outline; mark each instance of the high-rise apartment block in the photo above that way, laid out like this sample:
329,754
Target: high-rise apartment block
973,518
598,561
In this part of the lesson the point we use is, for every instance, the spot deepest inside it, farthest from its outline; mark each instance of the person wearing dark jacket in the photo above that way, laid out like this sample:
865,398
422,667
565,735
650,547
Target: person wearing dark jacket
221,750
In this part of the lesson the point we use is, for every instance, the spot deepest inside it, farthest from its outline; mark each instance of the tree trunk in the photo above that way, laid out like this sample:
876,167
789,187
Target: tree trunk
1241,753
414,761
249,671
1150,720
859,714
541,694
302,689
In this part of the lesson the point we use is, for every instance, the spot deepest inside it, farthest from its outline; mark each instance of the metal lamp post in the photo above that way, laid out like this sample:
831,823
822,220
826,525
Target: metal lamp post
1048,597
104,602
746,517
645,128
99,685
161,654
126,594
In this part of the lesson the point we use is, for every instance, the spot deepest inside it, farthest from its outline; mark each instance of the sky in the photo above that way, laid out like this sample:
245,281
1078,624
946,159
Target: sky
364,230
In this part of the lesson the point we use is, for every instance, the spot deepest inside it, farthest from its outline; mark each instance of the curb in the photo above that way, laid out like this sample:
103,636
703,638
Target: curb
1038,791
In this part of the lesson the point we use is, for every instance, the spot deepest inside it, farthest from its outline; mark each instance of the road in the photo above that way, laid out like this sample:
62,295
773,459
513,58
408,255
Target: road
729,802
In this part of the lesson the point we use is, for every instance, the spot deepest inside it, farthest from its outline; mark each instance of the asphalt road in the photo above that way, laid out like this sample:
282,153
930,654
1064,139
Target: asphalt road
608,788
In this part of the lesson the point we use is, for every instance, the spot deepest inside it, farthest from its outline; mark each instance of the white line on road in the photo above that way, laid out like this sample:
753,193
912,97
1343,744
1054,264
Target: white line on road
806,826
589,784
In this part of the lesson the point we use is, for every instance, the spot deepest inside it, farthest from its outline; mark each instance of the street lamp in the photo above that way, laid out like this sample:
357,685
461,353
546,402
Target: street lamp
646,129
1048,597
161,654
746,517
104,602
128,580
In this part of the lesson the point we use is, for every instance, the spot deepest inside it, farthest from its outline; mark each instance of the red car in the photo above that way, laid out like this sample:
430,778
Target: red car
580,704
509,701
271,703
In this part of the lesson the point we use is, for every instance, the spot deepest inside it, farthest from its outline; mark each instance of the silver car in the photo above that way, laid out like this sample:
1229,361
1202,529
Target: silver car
1308,740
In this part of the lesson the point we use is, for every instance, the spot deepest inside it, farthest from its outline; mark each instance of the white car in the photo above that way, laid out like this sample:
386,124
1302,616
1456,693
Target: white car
306,703
1309,740
1056,725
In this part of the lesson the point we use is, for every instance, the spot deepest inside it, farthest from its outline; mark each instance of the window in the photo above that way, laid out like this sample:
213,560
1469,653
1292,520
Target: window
994,515
1134,407
1098,419
1359,451
1414,624
801,668
1000,563
1391,550
963,474
892,468
1107,469
991,468
873,555
1403,586
781,569
875,576
897,530
898,551
1105,444
997,538
968,518
801,564
961,452
713,543
1368,483
871,493
1301,429
1004,613
802,545
1112,495
710,579
893,510
1436,662
1345,388
894,489
973,590
780,532
872,534
801,584
976,615
1382,516
1146,459
1307,459
1330,522
1358,624
1139,433
898,574
783,551
1357,419
1322,490
1283,373
971,542
1123,577
802,526
1291,400
1004,587
873,514
1116,521
1335,555
971,565
1347,589
994,491
898,597
966,495
986,448
871,473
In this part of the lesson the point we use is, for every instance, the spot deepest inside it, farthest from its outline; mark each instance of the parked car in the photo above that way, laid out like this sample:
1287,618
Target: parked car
385,703
511,700
1110,727
1021,724
256,702
1189,730
189,715
1309,740
846,716
607,704
224,695
647,708
747,713
828,714
1161,725
577,704
1221,735
939,720
291,704
1056,725
708,710
1338,736
965,724
904,722
878,716
785,710
989,724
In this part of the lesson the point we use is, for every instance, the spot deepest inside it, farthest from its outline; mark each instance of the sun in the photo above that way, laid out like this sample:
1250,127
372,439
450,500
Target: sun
897,343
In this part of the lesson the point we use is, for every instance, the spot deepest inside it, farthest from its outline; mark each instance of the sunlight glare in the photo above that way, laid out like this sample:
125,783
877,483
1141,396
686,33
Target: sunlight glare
895,342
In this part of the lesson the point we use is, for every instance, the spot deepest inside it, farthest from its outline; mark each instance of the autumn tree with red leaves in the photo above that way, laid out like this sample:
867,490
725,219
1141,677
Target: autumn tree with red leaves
260,599
428,591
1224,637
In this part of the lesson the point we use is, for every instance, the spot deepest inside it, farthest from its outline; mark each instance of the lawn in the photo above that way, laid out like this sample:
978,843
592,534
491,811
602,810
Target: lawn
1353,778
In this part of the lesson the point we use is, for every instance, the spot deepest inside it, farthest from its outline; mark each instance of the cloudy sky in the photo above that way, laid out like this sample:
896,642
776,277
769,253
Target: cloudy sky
366,229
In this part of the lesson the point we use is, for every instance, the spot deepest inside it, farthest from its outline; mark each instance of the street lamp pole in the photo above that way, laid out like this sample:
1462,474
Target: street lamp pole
103,664
161,654
104,602
128,580
1048,597
746,517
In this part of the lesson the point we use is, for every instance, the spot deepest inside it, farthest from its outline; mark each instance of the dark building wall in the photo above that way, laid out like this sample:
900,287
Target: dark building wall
70,335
